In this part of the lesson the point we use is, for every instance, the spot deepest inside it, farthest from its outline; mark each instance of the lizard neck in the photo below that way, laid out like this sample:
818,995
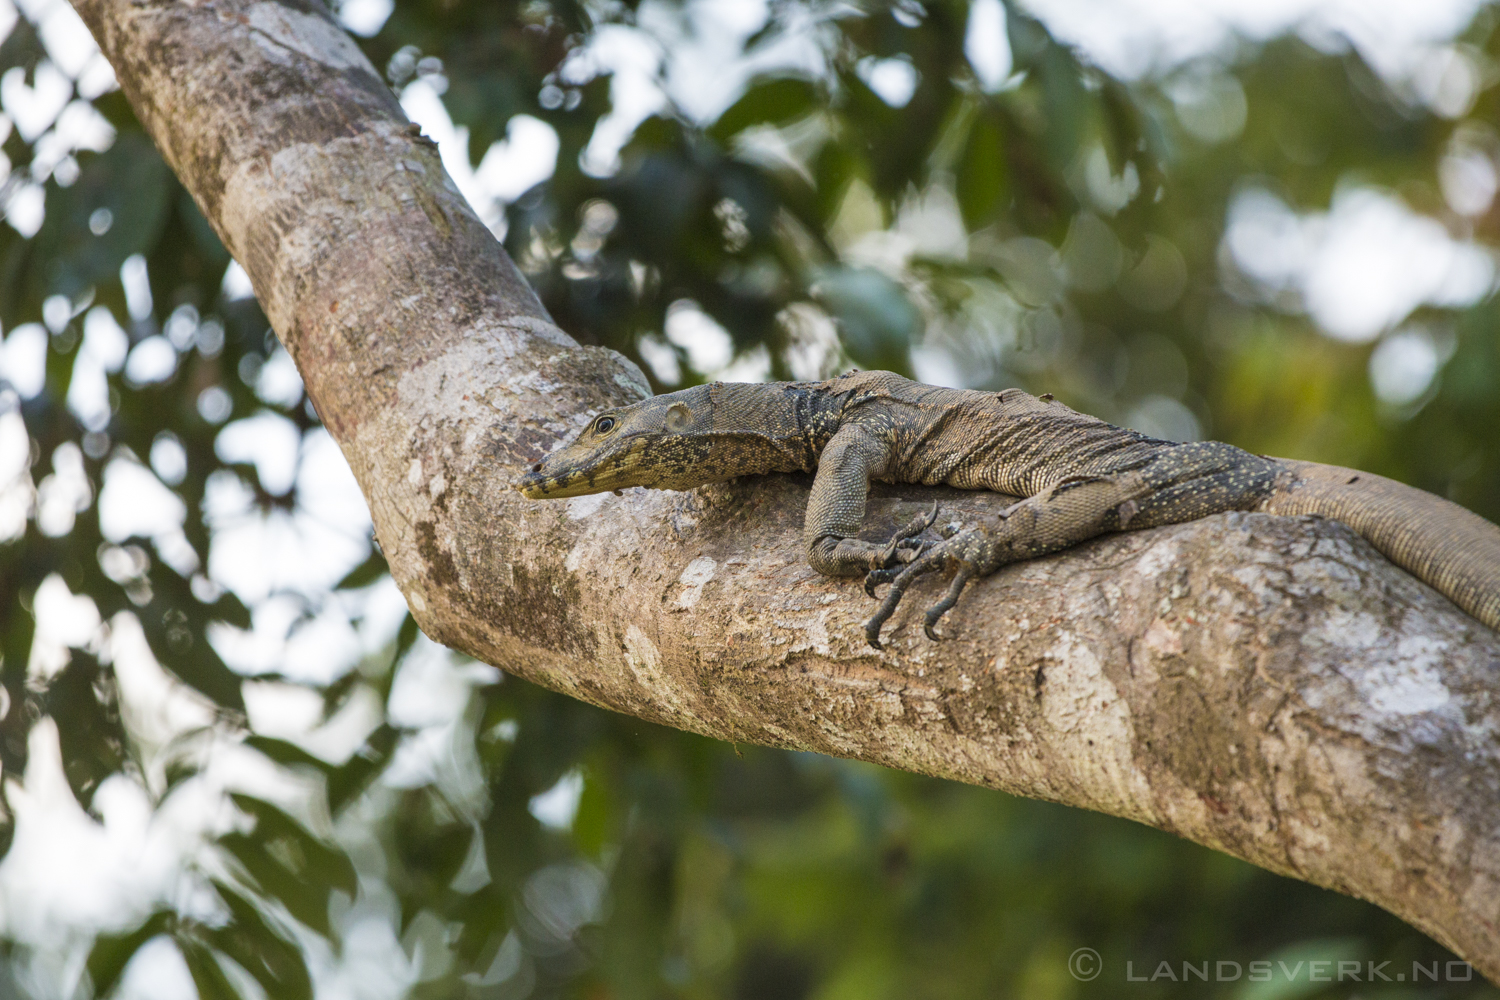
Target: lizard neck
769,427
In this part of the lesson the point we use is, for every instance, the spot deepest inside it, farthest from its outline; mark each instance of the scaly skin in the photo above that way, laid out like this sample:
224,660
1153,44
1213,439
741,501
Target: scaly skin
1080,477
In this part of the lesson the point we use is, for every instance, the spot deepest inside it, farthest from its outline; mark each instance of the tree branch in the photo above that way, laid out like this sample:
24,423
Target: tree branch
1270,687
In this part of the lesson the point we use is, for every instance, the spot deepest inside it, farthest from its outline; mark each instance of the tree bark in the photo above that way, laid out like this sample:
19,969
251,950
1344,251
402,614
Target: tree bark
1270,687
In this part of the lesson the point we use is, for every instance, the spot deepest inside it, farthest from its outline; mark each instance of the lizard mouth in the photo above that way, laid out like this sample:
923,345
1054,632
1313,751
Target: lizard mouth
597,476
534,485
540,486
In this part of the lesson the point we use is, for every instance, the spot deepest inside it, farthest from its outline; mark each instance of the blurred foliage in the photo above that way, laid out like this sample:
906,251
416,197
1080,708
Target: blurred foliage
1063,231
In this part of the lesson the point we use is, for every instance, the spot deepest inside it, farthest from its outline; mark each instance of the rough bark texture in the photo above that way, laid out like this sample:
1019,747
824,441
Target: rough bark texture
1270,687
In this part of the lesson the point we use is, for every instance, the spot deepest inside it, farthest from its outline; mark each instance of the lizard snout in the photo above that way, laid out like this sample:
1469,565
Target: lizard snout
533,485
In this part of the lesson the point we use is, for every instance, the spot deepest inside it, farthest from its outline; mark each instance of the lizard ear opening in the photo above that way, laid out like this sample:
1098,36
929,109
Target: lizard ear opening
679,417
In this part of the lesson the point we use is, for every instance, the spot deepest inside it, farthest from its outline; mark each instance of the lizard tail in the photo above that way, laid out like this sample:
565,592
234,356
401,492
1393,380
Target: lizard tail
1446,546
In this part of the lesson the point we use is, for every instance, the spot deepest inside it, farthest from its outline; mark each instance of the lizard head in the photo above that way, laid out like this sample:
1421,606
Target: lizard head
652,443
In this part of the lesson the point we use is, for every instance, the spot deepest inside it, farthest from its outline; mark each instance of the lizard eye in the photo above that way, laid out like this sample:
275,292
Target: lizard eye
604,425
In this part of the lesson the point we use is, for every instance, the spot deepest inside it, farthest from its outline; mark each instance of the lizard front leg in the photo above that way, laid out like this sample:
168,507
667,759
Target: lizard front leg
836,509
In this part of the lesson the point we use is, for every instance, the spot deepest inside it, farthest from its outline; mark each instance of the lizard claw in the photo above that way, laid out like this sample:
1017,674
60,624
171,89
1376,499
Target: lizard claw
910,549
941,608
928,561
900,551
965,550
876,577
926,520
897,549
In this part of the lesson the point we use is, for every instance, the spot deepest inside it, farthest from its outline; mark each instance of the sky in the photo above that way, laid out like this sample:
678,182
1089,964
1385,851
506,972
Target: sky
1358,266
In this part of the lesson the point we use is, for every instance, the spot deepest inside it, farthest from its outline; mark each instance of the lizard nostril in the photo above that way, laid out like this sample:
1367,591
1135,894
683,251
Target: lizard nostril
537,467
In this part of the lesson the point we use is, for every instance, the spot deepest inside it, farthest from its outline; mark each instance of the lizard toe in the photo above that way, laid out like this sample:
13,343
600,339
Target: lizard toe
937,611
898,549
876,577
934,558
909,552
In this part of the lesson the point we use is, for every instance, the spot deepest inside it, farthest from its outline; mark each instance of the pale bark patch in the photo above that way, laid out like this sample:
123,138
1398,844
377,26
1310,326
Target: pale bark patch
693,579
1089,720
283,35
581,507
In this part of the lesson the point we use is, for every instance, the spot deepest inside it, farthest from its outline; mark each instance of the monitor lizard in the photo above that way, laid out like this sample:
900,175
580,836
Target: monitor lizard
1077,475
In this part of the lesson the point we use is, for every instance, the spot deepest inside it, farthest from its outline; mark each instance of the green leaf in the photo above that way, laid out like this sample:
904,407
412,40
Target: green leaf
208,975
270,956
180,769
431,845
230,610
288,862
656,132
482,918
1071,113
203,233
336,695
876,320
81,700
286,753
592,821
17,630
358,771
112,952
365,573
342,781
834,169
323,859
775,102
982,183
129,182
22,48
406,638
175,623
